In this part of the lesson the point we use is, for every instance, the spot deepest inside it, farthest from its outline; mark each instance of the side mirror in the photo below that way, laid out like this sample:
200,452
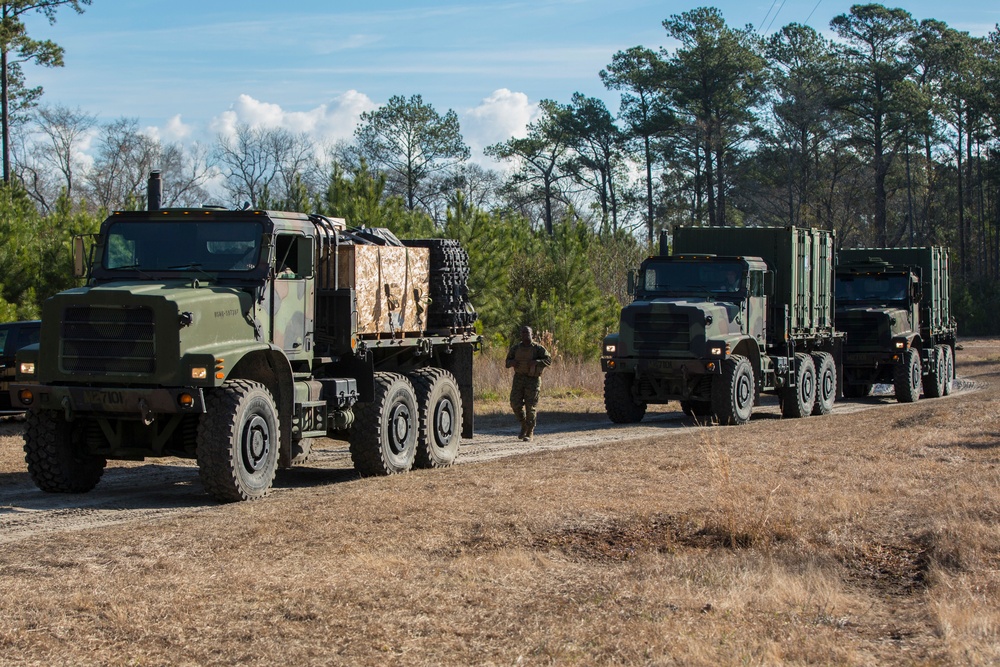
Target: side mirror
631,282
768,283
81,267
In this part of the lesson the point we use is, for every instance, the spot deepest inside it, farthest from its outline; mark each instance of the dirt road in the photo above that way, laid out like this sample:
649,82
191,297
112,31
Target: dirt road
141,493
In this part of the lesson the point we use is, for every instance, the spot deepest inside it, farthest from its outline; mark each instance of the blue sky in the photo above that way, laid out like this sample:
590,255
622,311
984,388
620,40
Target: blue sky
188,70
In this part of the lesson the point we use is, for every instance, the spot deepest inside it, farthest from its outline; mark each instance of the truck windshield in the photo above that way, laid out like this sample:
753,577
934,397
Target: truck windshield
878,288
172,245
695,278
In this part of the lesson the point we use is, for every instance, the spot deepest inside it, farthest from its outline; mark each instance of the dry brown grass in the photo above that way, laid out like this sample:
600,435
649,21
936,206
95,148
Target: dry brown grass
865,538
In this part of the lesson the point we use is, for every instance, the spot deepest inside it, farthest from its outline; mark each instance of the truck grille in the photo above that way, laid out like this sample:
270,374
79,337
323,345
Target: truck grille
662,332
863,332
104,339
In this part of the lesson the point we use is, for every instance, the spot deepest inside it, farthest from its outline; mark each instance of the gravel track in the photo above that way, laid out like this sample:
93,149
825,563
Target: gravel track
146,492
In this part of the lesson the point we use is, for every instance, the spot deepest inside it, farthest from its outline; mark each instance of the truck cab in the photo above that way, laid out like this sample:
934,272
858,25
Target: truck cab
690,312
893,305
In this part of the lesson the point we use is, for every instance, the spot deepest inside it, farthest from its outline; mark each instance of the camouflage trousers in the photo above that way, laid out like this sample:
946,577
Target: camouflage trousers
524,394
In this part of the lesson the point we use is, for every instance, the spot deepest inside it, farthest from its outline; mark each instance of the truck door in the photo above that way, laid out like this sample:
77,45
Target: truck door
291,299
757,305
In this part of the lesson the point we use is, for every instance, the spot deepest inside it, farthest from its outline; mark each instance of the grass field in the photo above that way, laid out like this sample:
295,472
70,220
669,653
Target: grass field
868,538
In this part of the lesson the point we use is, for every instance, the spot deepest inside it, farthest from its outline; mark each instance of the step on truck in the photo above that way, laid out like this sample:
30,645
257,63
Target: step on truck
237,337
895,307
732,313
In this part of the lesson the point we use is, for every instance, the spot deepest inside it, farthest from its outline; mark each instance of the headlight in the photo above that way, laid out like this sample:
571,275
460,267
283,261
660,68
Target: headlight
610,349
715,351
900,344
199,373
27,368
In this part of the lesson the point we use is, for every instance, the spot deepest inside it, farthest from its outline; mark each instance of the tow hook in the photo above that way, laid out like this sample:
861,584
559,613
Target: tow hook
67,408
147,414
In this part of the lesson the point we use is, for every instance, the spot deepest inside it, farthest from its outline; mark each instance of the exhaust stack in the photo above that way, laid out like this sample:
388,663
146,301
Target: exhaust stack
154,191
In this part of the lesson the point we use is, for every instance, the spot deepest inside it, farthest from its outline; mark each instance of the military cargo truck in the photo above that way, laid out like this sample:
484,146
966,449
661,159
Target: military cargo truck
235,338
894,305
732,313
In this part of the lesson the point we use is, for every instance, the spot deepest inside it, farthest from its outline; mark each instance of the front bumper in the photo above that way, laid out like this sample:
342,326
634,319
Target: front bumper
110,401
662,367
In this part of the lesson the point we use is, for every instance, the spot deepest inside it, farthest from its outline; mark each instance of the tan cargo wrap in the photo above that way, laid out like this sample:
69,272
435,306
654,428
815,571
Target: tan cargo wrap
392,286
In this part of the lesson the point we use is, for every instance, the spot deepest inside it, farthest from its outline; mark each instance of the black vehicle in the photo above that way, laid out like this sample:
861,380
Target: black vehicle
13,336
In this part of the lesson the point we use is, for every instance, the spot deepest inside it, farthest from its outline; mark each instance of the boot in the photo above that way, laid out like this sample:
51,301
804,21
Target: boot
524,428
529,432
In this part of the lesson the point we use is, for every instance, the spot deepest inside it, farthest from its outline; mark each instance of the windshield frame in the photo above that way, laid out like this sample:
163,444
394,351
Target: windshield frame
898,288
703,278
140,247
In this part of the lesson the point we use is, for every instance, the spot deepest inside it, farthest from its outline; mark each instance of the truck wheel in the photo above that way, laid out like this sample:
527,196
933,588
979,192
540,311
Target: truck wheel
949,375
826,383
238,441
439,410
301,451
857,390
936,374
906,377
618,401
383,438
798,401
733,391
56,454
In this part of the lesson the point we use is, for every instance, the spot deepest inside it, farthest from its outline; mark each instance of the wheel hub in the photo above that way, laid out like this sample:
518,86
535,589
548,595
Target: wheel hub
807,387
743,391
444,420
399,426
827,384
256,439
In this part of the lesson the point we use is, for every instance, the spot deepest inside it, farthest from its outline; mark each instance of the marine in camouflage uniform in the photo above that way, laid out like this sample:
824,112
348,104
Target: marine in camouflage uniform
529,360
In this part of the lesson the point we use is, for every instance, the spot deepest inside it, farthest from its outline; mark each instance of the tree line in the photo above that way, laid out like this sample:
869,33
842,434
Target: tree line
886,133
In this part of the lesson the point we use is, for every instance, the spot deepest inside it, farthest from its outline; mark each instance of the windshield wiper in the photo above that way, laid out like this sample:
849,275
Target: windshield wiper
193,265
130,267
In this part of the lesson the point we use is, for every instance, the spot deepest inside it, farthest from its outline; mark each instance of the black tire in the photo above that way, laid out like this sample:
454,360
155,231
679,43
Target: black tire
618,401
697,409
934,380
383,438
301,451
798,401
439,411
907,377
826,383
56,454
238,441
949,369
733,391
857,390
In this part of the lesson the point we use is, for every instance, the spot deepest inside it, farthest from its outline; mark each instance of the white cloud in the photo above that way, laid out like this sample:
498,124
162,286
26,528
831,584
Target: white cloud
174,131
325,123
502,115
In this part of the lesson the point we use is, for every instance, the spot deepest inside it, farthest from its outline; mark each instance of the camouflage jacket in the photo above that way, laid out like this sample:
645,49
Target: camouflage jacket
529,360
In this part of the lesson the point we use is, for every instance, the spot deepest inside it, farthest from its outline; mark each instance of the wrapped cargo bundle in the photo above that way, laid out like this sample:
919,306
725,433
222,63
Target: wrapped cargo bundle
392,287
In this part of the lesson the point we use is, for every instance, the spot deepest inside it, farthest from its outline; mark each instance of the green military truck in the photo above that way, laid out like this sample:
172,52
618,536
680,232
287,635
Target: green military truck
236,337
732,313
894,305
